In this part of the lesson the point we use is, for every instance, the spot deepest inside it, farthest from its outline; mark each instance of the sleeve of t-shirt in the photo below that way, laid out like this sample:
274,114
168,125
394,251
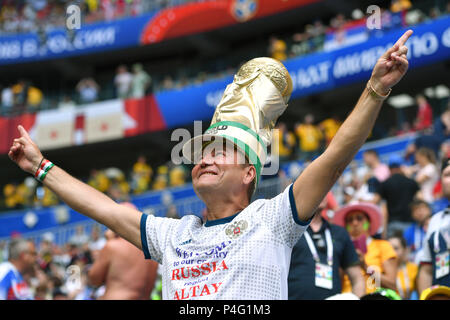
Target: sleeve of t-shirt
155,234
281,217
349,255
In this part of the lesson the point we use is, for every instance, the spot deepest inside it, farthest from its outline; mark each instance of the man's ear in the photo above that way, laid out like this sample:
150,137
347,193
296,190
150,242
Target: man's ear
250,174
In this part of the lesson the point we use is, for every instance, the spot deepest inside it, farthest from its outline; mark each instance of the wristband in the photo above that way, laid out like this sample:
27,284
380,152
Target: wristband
43,169
375,94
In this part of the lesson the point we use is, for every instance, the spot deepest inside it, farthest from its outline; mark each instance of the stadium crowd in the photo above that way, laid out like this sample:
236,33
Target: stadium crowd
24,96
31,15
405,189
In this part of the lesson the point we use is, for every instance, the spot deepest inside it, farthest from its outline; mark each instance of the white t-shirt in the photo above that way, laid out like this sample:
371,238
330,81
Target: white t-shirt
123,83
431,171
245,256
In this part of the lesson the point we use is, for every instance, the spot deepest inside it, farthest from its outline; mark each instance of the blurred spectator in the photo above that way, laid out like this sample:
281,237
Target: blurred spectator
285,143
172,212
88,90
400,5
20,92
415,234
427,174
124,271
329,126
161,180
316,32
338,21
21,262
3,251
177,176
434,258
11,199
122,82
429,138
301,44
141,82
97,241
99,180
168,83
80,238
377,257
277,48
325,248
377,169
424,118
34,98
47,197
7,99
407,271
141,175
309,137
118,188
66,103
398,191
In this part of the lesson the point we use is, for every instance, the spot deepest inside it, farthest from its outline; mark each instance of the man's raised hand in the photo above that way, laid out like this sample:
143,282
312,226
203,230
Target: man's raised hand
391,66
24,152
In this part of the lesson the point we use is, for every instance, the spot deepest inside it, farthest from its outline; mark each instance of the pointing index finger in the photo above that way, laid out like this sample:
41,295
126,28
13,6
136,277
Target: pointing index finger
23,132
402,40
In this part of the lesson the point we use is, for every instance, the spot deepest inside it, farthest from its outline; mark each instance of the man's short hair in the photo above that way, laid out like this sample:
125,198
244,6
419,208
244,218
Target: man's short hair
16,247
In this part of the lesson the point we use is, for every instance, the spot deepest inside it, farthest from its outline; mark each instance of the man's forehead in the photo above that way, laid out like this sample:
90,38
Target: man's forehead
223,145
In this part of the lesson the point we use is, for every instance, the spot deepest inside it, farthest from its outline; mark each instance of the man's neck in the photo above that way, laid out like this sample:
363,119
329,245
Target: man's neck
223,203
219,209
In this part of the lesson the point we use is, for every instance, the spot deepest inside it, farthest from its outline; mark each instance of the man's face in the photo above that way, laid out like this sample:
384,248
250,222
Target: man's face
446,182
221,168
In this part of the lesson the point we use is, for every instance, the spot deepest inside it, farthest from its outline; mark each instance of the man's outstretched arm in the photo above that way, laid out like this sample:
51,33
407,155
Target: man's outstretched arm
81,197
318,178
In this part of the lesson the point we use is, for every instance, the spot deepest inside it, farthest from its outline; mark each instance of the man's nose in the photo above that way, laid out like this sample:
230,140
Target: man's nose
207,159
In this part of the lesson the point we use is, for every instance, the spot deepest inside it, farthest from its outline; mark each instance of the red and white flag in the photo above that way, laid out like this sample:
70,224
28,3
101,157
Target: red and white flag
53,128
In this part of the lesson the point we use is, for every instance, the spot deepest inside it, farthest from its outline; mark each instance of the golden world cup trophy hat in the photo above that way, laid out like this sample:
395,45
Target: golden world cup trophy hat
247,113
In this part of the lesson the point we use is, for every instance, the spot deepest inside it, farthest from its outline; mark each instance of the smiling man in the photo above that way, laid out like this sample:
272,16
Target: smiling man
243,249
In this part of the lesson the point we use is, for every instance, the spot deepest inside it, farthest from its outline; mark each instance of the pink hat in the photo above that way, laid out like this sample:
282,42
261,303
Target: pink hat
371,210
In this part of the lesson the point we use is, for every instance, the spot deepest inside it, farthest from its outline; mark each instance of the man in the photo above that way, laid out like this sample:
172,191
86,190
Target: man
324,247
21,260
434,266
398,191
309,137
243,250
377,169
123,270
415,234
